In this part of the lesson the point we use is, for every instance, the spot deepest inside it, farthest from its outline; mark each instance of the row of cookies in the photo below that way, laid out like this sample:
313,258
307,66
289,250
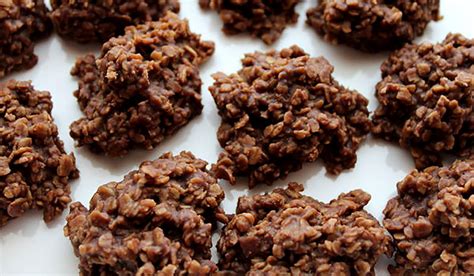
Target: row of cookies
366,25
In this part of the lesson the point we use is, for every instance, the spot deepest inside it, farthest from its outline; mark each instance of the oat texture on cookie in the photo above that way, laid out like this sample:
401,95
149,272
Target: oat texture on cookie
426,100
282,109
260,18
157,221
372,25
34,168
98,20
144,86
431,220
285,232
22,23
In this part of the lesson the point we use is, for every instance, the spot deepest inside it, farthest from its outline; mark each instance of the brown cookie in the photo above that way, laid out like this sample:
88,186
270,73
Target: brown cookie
98,20
260,18
157,221
431,220
22,23
285,232
144,86
372,25
426,99
283,109
34,168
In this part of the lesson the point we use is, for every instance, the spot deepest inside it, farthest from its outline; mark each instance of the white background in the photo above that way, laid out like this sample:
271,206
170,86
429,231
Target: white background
30,247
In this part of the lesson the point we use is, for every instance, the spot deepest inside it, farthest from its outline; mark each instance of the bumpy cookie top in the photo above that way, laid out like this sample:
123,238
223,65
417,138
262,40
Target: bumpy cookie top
34,168
431,220
157,219
286,232
144,86
426,99
283,109
372,25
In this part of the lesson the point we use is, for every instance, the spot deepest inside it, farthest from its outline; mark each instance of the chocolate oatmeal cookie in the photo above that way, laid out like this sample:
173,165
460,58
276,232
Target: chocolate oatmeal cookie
265,19
372,25
22,22
144,86
432,221
98,20
286,232
426,98
34,168
283,109
157,221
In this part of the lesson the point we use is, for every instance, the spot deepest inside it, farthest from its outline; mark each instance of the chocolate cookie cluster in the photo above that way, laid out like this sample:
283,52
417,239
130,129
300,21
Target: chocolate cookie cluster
99,20
157,221
285,232
431,220
372,25
22,22
263,19
282,109
34,168
144,86
426,99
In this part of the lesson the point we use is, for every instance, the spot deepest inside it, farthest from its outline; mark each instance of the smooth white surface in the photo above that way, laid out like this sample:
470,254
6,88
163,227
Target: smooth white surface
30,247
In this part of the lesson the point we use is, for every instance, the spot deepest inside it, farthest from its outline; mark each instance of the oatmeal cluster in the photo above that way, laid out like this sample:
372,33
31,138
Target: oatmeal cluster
283,109
144,86
34,168
22,22
431,220
372,25
157,221
285,232
260,18
98,20
426,99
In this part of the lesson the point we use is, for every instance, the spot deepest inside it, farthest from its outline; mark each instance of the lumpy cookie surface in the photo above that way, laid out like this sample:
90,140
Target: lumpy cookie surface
98,20
285,232
426,99
144,86
372,25
157,221
34,168
265,19
431,220
22,22
283,109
